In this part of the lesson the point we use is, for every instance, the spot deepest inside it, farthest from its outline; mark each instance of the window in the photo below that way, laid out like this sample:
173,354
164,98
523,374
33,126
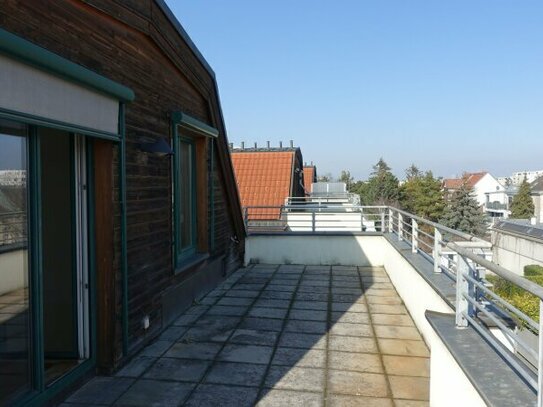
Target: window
192,145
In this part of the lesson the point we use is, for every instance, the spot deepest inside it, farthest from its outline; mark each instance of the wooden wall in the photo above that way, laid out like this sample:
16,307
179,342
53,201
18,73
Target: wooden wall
134,43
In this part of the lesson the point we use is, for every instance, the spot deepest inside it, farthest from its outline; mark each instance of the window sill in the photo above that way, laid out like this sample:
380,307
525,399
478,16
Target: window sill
190,261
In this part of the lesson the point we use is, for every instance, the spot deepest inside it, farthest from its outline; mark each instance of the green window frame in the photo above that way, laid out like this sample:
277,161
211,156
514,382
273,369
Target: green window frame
189,135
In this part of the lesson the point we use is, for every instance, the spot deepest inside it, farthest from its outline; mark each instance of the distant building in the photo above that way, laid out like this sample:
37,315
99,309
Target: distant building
531,176
16,178
266,177
537,196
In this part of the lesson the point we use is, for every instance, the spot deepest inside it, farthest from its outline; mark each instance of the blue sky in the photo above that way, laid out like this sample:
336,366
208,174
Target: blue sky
451,86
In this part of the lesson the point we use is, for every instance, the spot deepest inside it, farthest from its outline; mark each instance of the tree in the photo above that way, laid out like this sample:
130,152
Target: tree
463,212
347,179
522,206
325,177
422,195
382,188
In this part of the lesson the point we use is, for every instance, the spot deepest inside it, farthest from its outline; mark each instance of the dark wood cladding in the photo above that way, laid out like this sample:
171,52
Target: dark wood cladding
134,43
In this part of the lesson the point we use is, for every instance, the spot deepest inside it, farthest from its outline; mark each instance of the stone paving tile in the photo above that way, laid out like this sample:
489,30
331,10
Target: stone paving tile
346,307
100,390
270,303
246,354
403,347
235,301
310,305
397,332
344,329
313,289
199,350
183,370
242,294
351,317
254,337
276,295
186,319
300,357
265,324
411,403
267,312
146,393
213,395
136,366
277,398
227,310
375,299
245,374
397,320
295,378
357,384
173,333
407,387
352,344
388,309
157,348
311,327
308,315
302,340
340,400
359,362
406,365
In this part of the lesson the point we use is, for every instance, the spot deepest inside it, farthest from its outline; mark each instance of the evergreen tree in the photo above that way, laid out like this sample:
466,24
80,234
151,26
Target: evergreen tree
347,179
463,212
382,188
522,206
422,195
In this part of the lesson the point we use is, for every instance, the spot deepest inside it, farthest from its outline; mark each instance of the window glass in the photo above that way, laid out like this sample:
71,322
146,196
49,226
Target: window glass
186,196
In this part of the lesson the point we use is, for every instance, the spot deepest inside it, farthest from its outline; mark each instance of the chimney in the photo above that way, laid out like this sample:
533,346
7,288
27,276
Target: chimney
243,145
255,146
312,163
291,143
268,144
280,144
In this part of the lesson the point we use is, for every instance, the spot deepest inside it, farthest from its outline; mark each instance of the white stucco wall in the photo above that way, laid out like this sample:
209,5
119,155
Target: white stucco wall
13,271
515,252
486,184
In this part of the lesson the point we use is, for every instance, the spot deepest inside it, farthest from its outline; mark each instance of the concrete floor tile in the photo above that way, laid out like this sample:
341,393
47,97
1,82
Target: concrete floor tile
370,291
242,293
214,395
198,333
308,315
387,319
101,390
344,329
228,301
340,400
357,384
295,378
281,287
284,398
349,298
299,357
246,354
406,365
310,327
276,295
136,366
411,403
372,299
352,344
245,374
388,309
267,312
347,290
269,303
249,287
157,348
265,324
403,347
358,362
397,332
173,333
254,337
302,340
196,350
412,388
351,317
346,307
313,289
311,296
184,370
310,305
186,319
155,393
229,311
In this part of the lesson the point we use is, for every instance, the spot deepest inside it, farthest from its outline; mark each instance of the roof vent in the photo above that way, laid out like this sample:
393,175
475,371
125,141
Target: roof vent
280,144
256,146
243,145
291,143
268,144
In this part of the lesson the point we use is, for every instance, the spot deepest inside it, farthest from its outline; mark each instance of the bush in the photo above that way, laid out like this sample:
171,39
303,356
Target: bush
533,270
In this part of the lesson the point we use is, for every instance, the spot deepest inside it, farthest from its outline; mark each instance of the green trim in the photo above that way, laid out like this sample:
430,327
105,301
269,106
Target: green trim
193,124
25,51
122,199
55,124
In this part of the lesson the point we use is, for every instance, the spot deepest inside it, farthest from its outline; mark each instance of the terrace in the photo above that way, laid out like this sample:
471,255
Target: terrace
364,306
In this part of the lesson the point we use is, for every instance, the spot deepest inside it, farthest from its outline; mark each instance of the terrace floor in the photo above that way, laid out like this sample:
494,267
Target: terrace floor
280,336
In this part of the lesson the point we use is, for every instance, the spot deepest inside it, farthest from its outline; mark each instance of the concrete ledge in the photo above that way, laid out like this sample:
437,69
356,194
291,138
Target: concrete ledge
467,371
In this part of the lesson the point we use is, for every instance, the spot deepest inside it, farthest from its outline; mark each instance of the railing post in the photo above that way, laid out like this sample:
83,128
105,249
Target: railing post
383,221
390,220
437,250
414,236
400,226
361,220
540,358
462,287
313,221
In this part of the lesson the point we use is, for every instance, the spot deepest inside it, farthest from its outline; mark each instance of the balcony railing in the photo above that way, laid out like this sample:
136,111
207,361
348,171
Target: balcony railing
496,206
464,258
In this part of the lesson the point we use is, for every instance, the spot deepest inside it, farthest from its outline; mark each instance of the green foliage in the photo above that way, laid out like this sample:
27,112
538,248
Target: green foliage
533,270
516,296
382,188
463,213
421,194
347,179
522,206
325,178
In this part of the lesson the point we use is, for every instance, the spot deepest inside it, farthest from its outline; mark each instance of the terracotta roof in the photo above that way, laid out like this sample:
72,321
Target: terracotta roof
455,183
310,176
264,179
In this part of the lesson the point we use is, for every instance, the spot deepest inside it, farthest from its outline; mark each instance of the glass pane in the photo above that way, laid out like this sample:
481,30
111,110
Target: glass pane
15,373
185,198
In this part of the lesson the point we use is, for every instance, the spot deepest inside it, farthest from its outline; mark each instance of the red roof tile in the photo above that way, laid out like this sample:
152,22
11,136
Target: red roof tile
472,179
309,178
264,179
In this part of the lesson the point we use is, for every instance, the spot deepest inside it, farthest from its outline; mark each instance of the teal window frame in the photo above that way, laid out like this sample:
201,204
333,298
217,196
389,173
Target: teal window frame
185,129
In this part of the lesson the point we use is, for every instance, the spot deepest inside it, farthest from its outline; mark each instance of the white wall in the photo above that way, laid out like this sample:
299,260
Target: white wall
13,271
515,252
486,184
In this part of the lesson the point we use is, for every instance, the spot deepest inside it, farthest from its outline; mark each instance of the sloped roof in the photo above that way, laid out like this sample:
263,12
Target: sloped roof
537,184
310,176
263,178
472,179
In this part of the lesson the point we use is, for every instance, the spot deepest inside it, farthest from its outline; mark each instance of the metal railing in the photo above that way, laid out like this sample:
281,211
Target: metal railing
496,206
324,199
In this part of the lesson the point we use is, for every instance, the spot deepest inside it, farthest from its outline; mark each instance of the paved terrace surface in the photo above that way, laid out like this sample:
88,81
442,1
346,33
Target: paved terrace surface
284,335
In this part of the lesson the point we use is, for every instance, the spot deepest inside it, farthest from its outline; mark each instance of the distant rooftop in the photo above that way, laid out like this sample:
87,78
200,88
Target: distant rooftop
520,226
472,179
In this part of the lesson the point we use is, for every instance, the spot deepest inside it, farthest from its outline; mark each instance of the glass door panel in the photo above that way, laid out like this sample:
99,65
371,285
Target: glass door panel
15,339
